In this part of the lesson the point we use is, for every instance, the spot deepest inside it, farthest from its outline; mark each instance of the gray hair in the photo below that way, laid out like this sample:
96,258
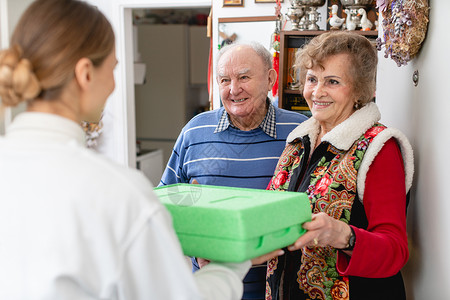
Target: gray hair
260,50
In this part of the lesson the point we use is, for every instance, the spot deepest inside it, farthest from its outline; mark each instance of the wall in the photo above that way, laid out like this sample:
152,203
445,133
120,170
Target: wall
422,112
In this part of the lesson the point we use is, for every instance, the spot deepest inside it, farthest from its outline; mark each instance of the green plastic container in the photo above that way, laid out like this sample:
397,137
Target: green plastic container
234,224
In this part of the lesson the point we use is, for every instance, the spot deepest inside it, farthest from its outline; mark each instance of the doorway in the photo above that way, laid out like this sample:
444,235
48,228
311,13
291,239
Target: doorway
172,47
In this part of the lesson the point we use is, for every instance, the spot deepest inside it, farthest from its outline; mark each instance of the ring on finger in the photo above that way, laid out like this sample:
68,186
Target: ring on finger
316,241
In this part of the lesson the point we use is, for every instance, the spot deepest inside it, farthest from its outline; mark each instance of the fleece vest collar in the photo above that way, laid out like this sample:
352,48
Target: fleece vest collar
343,135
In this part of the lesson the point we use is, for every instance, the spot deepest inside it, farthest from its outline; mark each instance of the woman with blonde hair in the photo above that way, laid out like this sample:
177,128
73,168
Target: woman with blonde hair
74,225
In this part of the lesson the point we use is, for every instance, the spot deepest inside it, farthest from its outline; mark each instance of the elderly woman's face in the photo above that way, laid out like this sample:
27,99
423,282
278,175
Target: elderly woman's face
329,91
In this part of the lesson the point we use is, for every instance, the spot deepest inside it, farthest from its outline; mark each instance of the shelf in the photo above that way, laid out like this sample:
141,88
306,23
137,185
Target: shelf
317,32
289,91
303,32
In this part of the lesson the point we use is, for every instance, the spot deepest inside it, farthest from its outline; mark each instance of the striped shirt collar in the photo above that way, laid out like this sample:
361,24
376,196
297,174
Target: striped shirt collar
268,125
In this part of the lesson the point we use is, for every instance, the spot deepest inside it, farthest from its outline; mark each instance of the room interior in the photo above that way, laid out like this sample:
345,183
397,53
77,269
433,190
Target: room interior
419,110
175,80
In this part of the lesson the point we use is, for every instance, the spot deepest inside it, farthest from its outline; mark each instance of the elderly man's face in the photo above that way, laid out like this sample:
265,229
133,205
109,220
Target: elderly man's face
244,82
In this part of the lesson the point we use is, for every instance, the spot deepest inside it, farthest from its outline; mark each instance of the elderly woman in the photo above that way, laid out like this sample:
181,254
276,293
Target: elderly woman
356,173
74,225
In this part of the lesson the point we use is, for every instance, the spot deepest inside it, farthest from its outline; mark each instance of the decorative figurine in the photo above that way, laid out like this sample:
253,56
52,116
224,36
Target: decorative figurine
295,14
349,23
334,20
311,13
366,24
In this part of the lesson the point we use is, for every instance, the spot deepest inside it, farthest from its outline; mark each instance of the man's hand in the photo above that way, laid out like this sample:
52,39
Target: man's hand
202,262
263,258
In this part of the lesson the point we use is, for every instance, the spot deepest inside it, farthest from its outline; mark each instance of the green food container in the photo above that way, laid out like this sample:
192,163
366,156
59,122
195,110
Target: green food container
234,224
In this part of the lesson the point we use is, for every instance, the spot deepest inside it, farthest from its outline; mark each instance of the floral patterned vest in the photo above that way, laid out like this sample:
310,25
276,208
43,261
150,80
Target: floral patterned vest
331,189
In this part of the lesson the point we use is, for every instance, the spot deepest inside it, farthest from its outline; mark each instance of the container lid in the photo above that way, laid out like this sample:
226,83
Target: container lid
232,213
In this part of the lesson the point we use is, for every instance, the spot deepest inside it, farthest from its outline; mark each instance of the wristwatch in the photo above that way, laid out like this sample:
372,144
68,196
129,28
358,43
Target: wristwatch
351,240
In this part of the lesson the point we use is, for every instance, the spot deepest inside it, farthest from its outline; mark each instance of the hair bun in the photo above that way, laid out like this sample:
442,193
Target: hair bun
17,79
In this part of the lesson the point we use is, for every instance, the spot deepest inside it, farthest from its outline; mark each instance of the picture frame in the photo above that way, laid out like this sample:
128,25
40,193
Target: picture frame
233,3
268,1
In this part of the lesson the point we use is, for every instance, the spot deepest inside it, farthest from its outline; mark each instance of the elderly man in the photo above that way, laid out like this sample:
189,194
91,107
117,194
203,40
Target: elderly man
239,144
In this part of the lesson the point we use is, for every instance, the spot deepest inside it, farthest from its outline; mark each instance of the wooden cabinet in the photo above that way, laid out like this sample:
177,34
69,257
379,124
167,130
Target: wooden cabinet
289,96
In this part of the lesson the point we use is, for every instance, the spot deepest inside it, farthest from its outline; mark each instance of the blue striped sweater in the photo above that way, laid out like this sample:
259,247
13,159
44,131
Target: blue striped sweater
232,157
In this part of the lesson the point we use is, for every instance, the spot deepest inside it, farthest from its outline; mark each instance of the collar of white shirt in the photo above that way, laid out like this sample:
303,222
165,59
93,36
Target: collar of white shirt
268,125
45,127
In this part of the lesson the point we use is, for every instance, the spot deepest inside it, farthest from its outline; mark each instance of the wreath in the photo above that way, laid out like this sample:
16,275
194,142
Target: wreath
404,25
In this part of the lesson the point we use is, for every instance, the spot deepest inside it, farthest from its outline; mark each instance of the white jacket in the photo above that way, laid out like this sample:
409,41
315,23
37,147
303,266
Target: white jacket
74,225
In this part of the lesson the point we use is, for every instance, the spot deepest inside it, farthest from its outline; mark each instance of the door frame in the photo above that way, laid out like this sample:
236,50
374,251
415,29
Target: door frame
119,140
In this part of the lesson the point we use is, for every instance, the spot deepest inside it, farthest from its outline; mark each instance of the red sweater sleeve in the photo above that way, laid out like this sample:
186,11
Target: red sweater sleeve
382,249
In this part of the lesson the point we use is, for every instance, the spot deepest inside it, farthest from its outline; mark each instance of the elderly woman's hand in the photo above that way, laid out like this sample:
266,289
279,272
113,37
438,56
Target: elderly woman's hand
322,231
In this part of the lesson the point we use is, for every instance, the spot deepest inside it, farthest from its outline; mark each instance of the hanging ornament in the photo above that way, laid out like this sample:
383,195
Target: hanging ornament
404,26
275,46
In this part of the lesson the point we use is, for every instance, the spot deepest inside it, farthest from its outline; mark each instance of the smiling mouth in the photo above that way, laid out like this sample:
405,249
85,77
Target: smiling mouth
318,103
238,100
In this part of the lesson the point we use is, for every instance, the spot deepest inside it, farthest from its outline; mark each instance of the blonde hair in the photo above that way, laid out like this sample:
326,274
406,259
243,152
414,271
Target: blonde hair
362,64
50,38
